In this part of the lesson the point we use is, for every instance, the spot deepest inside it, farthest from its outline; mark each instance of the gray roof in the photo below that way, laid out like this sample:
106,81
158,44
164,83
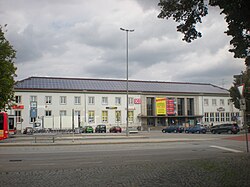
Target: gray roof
111,85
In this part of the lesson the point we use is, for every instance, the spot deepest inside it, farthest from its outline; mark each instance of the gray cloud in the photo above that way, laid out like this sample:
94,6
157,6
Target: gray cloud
83,39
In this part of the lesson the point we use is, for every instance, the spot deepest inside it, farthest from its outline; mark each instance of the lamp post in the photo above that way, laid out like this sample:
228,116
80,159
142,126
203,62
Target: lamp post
127,30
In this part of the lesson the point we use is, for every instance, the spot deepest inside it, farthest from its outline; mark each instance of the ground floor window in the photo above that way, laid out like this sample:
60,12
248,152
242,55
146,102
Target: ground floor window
91,114
105,116
118,116
130,116
18,115
206,117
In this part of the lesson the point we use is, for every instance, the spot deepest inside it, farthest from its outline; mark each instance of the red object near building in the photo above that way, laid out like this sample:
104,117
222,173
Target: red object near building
4,131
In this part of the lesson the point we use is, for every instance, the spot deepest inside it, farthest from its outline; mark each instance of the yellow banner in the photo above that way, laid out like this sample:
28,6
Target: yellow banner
160,106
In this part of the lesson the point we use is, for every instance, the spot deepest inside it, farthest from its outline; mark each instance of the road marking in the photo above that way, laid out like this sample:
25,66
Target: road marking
225,148
132,161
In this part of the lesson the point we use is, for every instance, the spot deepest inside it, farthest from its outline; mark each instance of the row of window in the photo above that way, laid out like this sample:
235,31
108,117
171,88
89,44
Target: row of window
214,102
220,116
92,115
77,100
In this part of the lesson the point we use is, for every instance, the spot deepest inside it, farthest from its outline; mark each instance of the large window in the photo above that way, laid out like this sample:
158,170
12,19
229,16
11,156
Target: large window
18,115
130,100
18,99
63,100
48,113
222,117
227,116
214,103
222,102
206,102
118,116
181,106
118,101
206,117
190,106
91,114
104,100
105,116
63,112
130,116
77,100
212,117
91,100
217,116
150,106
48,99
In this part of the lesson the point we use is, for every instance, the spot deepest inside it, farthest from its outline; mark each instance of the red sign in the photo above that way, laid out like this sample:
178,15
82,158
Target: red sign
137,101
171,106
16,107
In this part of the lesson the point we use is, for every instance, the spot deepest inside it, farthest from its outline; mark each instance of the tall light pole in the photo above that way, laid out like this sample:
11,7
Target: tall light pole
127,30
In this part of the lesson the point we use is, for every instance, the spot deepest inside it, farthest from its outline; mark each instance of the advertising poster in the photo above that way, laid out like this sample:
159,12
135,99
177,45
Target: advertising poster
171,106
160,106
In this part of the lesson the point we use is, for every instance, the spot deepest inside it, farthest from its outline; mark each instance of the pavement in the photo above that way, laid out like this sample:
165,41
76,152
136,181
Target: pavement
52,139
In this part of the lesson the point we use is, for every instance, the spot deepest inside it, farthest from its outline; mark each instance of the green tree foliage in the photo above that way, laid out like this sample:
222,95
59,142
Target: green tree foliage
190,12
243,78
7,70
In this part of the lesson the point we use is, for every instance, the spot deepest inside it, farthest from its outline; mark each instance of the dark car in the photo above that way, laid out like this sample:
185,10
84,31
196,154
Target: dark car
28,130
100,129
196,129
88,129
225,128
115,129
173,128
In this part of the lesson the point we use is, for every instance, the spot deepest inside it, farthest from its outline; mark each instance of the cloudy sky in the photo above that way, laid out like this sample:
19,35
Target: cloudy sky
80,38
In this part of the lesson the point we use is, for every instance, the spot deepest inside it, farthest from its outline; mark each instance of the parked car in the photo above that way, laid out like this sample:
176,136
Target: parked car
28,130
173,128
196,129
100,129
225,128
115,129
88,129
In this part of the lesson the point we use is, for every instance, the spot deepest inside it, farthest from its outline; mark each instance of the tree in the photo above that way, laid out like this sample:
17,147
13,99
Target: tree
190,12
7,70
243,78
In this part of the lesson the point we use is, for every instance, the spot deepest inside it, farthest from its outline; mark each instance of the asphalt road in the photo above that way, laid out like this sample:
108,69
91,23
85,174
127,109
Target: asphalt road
215,162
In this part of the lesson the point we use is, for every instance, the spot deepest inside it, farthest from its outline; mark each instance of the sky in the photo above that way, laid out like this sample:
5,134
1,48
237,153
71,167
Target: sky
82,39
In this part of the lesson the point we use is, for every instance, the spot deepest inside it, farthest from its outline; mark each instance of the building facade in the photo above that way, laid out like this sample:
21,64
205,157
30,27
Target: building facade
65,103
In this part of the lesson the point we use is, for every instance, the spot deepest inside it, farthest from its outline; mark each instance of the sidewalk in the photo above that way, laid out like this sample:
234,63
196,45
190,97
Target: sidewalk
91,139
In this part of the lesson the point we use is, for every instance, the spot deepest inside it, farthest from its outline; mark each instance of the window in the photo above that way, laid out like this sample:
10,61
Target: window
77,100
117,116
212,117
77,113
118,101
130,116
214,102
91,115
217,116
190,106
91,100
105,116
104,100
222,117
130,100
18,99
48,113
222,103
206,117
227,116
18,115
63,100
150,106
63,113
205,102
48,99
181,106
33,98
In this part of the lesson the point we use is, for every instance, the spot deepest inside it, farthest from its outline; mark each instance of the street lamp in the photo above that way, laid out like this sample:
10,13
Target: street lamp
127,30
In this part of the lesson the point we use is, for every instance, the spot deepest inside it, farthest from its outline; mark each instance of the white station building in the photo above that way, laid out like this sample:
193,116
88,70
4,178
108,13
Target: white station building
66,103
